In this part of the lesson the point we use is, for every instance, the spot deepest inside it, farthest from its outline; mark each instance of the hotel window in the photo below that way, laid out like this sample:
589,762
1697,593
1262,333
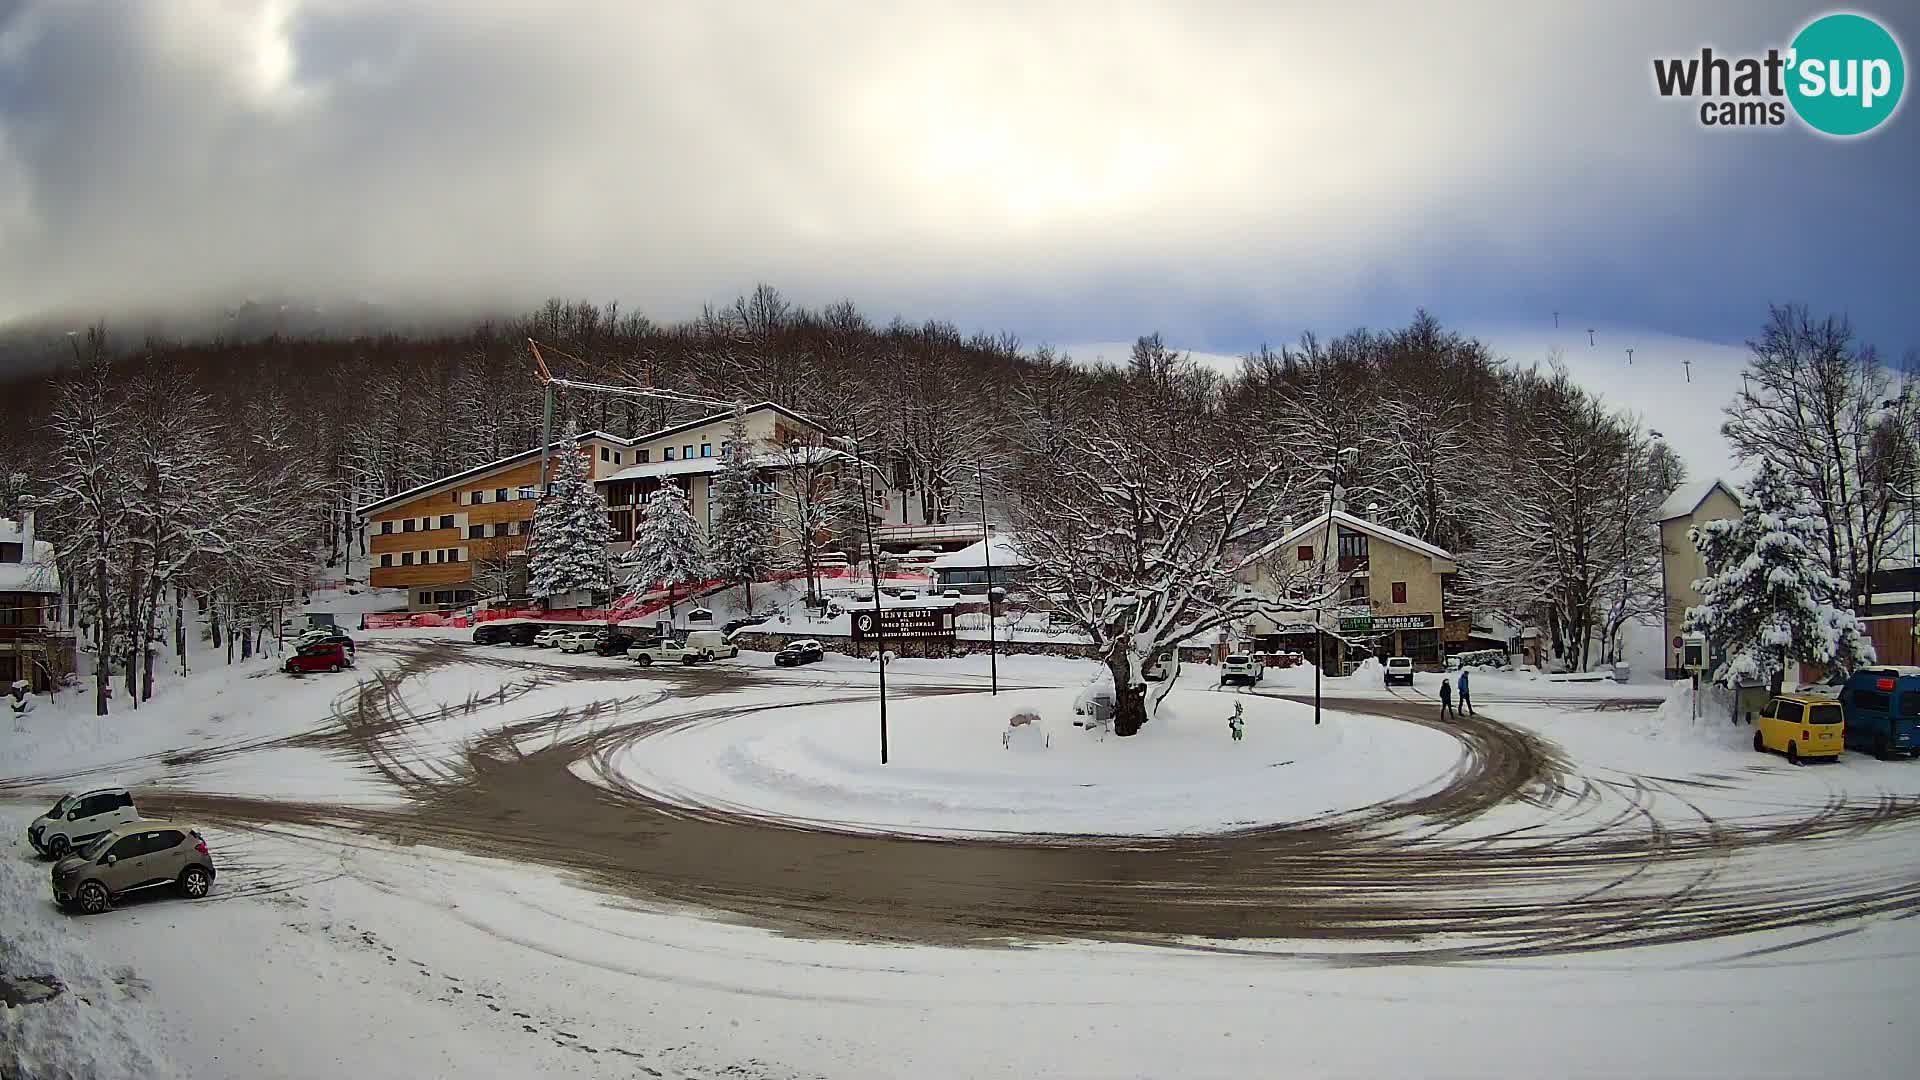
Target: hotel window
666,453
407,525
446,521
406,558
526,527
499,494
499,528
606,454
479,497
1399,592
386,559
706,449
687,451
641,457
529,492
475,532
386,528
1357,589
616,457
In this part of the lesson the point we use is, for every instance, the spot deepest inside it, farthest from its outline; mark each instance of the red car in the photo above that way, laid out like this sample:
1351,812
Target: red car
325,656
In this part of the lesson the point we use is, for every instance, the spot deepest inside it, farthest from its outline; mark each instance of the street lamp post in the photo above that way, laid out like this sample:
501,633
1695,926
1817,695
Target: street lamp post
873,565
986,548
1320,635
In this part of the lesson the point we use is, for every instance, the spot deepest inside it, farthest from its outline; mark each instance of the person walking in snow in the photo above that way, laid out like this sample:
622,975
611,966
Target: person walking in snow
1466,702
1446,700
1237,723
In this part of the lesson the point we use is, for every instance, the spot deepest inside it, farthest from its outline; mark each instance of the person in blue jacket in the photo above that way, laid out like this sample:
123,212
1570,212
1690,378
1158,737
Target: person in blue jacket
1466,700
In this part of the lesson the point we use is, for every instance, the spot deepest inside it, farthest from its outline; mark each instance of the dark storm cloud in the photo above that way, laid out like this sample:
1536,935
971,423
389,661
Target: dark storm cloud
1226,172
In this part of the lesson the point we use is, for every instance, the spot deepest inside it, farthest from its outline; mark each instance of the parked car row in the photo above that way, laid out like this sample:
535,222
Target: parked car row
103,849
320,649
1877,711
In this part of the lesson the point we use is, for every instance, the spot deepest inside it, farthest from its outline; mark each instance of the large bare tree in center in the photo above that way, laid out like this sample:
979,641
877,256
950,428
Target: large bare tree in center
1144,516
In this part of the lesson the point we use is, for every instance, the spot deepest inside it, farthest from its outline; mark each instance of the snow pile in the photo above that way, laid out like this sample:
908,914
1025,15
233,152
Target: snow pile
950,771
96,1026
1026,733
1370,668
1675,721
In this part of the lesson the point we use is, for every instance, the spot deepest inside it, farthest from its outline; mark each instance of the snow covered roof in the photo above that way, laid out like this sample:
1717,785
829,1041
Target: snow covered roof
719,416
975,555
1687,498
482,470
36,572
1391,536
694,466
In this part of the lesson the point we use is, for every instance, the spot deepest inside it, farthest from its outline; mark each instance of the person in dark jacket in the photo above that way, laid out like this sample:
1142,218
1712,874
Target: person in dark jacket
1446,700
1466,701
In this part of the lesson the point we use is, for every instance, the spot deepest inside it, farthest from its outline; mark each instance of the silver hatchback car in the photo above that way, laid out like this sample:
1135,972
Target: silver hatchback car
133,856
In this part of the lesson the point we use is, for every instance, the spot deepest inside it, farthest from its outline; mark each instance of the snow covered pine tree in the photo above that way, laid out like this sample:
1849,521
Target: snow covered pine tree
742,521
1768,596
570,532
667,547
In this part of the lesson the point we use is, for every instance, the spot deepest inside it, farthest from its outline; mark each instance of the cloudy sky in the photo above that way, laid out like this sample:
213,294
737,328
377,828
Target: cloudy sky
1074,172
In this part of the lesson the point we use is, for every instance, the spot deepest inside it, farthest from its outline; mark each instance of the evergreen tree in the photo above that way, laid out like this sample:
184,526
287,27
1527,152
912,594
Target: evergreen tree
667,547
742,521
570,531
1768,596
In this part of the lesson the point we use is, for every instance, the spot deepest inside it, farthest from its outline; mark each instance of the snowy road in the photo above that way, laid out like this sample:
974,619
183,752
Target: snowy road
1562,877
1517,851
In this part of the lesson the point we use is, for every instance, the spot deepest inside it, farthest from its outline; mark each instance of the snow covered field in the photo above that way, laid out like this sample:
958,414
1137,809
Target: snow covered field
332,951
949,773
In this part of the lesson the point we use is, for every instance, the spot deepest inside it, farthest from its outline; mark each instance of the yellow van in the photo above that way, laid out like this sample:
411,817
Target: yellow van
1801,726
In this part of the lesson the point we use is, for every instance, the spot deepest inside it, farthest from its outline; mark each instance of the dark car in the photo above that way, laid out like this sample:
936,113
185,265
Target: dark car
326,636
741,624
522,633
489,634
612,643
805,651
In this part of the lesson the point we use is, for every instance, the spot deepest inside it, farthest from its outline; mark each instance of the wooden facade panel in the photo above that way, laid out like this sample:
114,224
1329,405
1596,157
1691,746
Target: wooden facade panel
380,543
396,577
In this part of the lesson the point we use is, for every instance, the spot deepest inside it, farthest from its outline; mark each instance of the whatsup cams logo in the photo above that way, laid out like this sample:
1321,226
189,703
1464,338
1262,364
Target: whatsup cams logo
1842,76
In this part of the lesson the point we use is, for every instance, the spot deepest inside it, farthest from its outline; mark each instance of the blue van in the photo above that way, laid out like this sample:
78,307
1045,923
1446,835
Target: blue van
1882,707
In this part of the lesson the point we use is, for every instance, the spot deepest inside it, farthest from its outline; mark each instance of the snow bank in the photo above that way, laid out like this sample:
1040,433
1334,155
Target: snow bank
952,772
96,1026
1674,720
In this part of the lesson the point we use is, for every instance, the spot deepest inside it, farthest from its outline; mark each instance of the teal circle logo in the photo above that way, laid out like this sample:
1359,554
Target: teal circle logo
1845,74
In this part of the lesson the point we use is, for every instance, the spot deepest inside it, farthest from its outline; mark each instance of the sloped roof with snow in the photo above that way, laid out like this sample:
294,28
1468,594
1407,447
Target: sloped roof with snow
975,555
693,466
1687,497
1391,536
481,470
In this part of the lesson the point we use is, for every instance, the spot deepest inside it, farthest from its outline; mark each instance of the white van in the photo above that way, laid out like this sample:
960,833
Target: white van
712,644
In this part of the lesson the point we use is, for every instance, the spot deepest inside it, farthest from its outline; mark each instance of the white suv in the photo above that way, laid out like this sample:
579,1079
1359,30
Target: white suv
578,641
1399,670
1241,668
78,818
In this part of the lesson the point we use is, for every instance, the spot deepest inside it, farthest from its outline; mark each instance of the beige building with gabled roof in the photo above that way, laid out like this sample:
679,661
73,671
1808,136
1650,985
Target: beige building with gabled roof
1394,588
1680,565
